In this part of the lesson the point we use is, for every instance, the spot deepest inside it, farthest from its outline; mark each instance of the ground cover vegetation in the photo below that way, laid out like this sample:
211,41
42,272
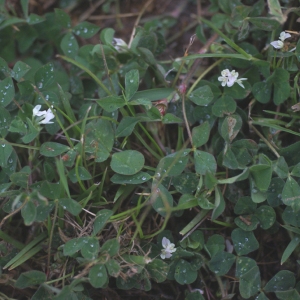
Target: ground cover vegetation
149,149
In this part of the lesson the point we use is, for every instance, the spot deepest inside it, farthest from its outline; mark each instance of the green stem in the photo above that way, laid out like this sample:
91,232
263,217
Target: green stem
204,74
82,67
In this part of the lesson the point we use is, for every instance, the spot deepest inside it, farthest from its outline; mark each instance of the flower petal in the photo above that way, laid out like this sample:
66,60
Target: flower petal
284,35
277,44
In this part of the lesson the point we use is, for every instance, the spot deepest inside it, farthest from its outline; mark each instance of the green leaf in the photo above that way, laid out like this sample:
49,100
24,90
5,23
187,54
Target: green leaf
127,162
101,219
280,80
51,190
70,205
5,152
215,244
202,96
244,265
262,175
153,94
83,174
250,283
29,213
266,216
90,248
30,278
221,263
184,274
99,139
44,76
62,18
35,19
244,151
69,45
5,120
274,193
19,70
86,29
275,10
107,35
161,199
244,241
113,267
262,91
247,223
237,92
291,194
288,295
111,103
141,101
7,91
132,82
244,175
173,164
171,119
137,178
111,247
264,23
25,6
42,293
281,168
219,204
126,126
74,245
244,206
282,281
296,170
204,203
200,134
290,249
186,183
231,127
224,105
52,149
158,270
204,162
98,276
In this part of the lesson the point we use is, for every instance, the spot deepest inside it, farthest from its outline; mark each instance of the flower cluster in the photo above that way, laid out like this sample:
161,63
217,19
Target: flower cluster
279,44
43,117
229,78
169,248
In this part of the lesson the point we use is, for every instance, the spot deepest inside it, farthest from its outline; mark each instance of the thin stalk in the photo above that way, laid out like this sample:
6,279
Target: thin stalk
266,141
204,74
51,237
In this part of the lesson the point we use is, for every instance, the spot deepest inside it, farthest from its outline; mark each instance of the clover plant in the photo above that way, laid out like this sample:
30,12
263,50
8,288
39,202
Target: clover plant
127,170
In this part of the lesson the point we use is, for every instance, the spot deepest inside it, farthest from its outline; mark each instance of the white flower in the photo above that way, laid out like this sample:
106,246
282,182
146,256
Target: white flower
168,248
36,111
43,117
47,117
120,45
279,44
229,78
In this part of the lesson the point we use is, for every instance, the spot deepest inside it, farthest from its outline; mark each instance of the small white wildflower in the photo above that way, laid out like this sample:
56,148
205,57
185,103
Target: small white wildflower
47,117
43,117
229,78
120,45
36,111
279,44
169,248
